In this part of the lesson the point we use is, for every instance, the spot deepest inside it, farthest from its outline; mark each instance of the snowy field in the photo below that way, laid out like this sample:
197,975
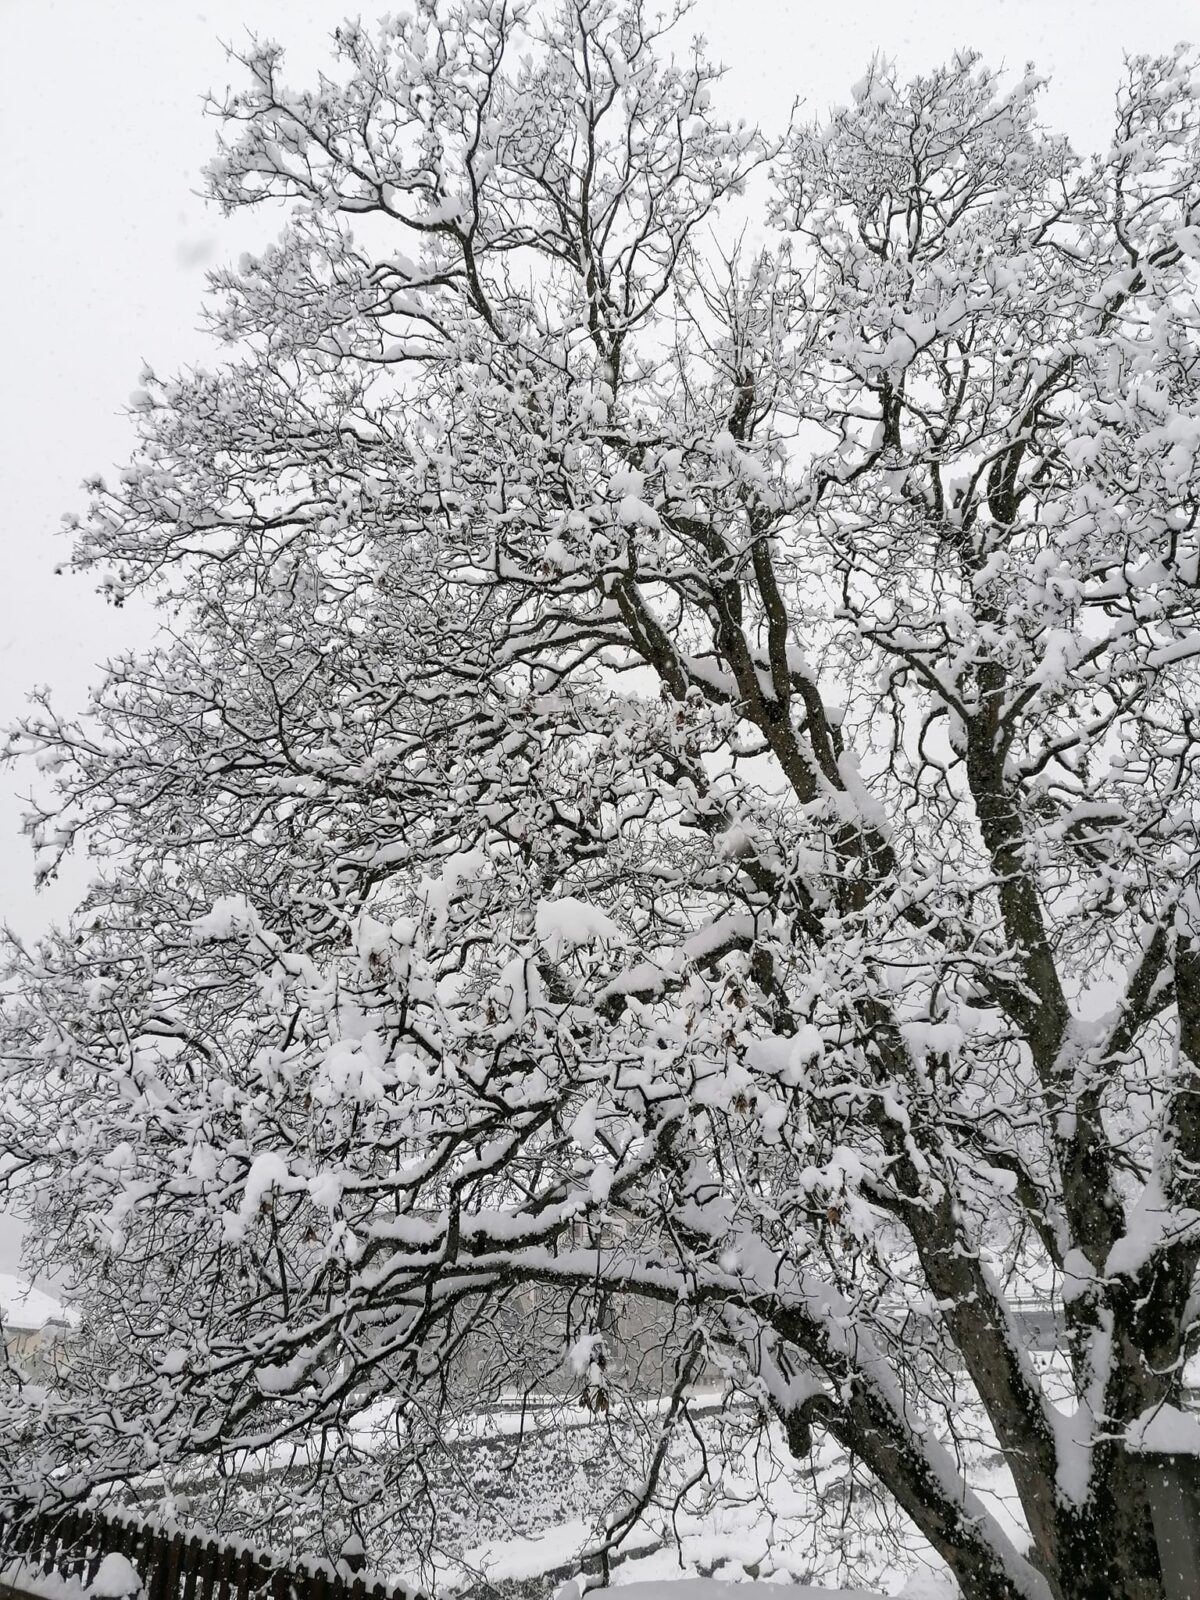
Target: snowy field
117,1580
515,1508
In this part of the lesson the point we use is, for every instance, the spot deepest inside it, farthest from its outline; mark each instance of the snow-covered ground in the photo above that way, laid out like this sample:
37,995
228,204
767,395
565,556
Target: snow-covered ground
716,1589
117,1579
523,1522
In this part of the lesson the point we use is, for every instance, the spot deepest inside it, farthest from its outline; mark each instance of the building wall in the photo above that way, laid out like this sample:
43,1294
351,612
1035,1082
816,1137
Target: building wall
33,1349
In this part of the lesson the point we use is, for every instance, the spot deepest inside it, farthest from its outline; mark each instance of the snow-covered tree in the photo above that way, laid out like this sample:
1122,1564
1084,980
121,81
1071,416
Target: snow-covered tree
669,781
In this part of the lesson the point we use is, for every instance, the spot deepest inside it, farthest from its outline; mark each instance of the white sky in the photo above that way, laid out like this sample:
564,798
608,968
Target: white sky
105,241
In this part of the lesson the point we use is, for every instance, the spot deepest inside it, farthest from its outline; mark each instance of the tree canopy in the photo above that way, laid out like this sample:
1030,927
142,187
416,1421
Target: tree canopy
668,780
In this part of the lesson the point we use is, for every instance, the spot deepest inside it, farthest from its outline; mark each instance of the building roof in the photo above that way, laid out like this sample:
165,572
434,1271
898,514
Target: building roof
1166,1431
24,1309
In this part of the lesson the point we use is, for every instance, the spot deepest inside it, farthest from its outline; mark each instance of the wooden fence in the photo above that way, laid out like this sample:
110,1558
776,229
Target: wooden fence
172,1564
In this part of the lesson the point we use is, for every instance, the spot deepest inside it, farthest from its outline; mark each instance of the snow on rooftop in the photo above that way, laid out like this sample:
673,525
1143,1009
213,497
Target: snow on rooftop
24,1309
1166,1430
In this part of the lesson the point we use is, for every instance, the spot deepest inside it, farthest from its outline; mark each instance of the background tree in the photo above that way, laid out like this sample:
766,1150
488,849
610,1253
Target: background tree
669,779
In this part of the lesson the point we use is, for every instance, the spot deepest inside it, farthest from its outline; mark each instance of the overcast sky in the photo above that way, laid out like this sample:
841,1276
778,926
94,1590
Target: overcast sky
105,241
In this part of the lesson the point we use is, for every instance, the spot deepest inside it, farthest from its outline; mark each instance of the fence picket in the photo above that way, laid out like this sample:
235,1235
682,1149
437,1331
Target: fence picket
242,1575
47,1546
70,1531
191,1564
228,1561
92,1565
133,1545
172,1565
212,1557
154,1560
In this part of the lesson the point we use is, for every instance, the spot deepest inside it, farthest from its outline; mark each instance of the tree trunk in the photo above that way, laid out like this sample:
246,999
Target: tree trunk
1109,1549
1104,1551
